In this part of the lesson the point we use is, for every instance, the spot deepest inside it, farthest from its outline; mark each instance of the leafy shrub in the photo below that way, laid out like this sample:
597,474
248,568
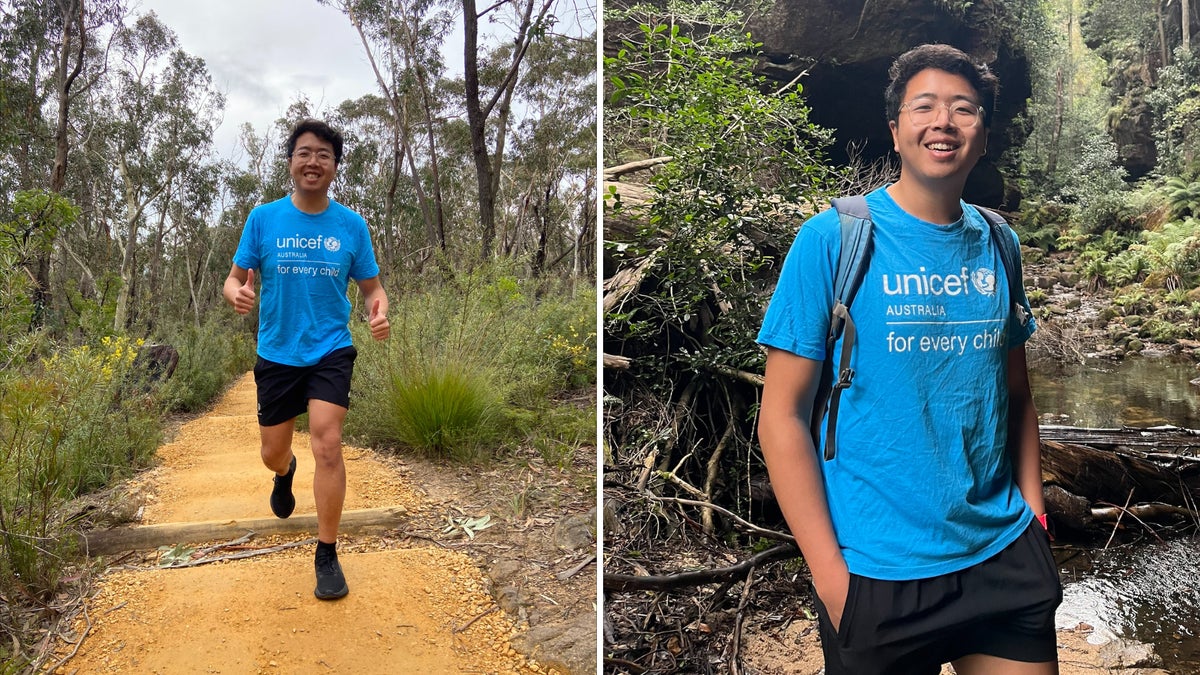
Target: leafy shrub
441,407
68,427
473,365
1042,225
210,357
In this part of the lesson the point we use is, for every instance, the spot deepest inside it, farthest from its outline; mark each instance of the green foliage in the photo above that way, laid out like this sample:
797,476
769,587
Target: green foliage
1174,253
1042,224
474,365
66,428
1176,104
746,164
1093,268
210,357
37,217
442,407
1183,197
1099,187
1128,267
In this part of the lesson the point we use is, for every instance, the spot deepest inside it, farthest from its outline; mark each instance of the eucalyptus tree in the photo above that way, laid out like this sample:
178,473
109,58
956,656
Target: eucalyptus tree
552,217
489,88
51,56
162,112
403,40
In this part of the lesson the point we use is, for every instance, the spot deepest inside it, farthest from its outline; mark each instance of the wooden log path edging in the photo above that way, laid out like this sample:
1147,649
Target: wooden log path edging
105,542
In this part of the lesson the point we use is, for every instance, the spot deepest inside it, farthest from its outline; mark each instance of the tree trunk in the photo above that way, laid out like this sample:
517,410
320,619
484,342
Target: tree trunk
487,168
1185,7
73,31
477,121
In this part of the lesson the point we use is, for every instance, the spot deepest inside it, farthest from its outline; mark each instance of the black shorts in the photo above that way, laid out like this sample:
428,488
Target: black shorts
1003,607
284,391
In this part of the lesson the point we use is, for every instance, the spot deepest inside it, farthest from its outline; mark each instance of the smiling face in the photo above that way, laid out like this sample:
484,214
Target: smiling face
312,165
936,154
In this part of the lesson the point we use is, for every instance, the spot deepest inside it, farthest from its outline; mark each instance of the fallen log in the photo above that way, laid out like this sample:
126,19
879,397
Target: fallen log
1107,475
104,542
668,582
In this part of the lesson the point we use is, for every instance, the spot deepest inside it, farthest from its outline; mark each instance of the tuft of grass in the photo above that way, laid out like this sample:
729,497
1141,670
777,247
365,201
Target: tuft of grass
442,409
478,365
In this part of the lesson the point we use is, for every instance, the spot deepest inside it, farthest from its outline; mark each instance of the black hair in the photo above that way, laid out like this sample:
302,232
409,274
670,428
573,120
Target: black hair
945,58
319,129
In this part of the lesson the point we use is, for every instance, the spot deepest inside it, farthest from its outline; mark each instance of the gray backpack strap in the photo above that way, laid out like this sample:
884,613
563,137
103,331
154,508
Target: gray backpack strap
855,219
1010,256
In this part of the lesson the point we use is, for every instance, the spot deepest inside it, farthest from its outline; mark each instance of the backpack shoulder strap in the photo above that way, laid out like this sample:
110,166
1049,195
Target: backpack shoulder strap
1011,257
854,216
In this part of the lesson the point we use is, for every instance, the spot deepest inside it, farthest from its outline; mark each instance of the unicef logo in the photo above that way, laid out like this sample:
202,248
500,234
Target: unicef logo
332,244
984,281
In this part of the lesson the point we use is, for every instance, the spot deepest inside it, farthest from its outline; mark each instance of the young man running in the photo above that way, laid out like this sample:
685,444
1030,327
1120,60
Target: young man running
922,532
306,248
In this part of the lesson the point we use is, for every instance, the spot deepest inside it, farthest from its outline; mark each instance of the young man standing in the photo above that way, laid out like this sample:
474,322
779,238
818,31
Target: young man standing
922,533
306,248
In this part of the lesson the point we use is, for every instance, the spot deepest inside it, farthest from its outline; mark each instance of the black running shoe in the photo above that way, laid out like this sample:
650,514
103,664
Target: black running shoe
283,502
331,584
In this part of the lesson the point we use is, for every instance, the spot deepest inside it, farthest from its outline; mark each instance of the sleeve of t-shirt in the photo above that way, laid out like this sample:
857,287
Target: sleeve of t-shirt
248,255
1018,334
797,318
364,265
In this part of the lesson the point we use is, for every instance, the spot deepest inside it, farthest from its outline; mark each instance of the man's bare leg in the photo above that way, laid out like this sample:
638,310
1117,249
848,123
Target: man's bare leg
325,421
277,446
277,456
981,664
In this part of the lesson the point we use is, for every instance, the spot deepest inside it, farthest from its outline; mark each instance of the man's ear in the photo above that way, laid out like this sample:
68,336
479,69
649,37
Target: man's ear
895,140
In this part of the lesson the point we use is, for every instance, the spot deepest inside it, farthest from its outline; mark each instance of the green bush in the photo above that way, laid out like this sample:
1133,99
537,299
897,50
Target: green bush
210,357
473,364
1041,225
66,428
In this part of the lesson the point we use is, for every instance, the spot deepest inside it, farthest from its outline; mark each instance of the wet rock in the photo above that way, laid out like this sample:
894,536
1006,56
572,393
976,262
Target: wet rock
1128,654
1135,346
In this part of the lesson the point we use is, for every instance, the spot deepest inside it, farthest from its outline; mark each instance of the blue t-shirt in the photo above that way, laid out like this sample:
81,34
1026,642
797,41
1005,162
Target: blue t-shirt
306,262
922,484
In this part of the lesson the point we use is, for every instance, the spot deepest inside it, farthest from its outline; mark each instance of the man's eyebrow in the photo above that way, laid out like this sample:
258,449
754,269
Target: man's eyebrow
957,97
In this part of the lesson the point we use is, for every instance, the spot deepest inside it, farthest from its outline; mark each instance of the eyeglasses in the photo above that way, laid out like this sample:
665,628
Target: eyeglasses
304,154
963,114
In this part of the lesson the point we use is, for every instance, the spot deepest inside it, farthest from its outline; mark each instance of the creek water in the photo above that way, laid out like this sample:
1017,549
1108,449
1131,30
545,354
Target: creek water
1147,590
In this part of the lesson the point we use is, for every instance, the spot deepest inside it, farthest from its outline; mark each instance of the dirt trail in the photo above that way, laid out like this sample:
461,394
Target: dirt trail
420,610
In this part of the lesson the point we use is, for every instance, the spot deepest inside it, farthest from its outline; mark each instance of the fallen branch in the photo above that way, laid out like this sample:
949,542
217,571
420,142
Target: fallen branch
567,574
739,619
740,375
628,582
493,608
243,554
633,167
750,527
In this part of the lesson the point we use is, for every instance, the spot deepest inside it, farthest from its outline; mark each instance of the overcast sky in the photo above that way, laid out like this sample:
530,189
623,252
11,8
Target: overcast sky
262,54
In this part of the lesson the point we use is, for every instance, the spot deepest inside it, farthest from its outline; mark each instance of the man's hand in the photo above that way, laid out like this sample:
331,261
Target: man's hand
380,328
834,589
243,300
